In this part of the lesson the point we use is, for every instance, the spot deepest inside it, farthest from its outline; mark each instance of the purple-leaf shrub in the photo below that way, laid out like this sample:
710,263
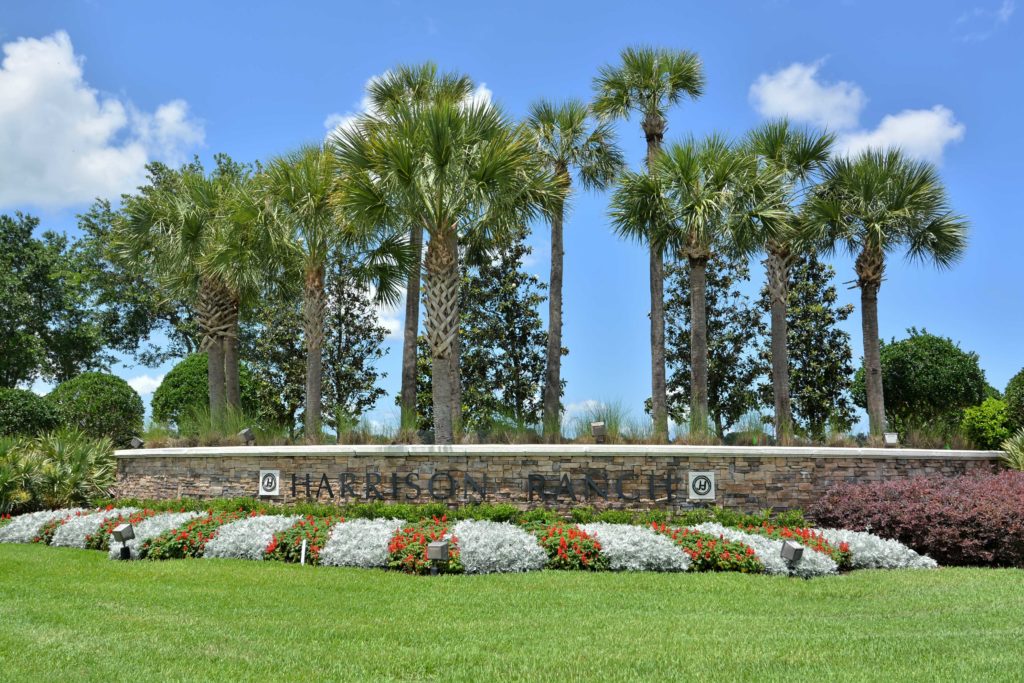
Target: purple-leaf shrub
975,520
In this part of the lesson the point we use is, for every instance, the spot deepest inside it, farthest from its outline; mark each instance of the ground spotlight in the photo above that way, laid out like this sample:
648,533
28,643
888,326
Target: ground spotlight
598,431
437,553
247,436
124,533
136,442
792,552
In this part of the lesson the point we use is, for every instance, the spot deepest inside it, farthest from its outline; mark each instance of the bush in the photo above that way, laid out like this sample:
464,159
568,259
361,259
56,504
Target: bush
1013,451
100,405
19,476
25,413
637,548
185,389
286,546
709,553
407,550
986,426
969,520
74,469
1014,397
189,540
569,547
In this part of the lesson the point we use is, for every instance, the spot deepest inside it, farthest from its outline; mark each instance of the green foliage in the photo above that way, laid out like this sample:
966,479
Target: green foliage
286,546
56,470
25,413
19,476
986,426
407,550
820,357
1013,451
568,547
709,553
1014,396
100,405
734,329
928,381
184,390
188,540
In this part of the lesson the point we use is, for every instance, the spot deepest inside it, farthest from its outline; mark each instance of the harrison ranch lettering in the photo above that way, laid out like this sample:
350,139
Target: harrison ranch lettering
456,485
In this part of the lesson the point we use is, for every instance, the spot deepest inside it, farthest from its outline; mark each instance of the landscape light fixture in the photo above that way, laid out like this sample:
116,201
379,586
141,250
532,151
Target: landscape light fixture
598,431
437,553
247,436
792,552
124,533
136,442
891,439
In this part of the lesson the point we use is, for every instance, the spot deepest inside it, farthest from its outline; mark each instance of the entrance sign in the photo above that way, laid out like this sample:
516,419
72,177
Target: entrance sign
702,486
270,482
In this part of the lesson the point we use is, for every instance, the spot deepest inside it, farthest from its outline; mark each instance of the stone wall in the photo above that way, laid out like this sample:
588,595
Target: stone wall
554,476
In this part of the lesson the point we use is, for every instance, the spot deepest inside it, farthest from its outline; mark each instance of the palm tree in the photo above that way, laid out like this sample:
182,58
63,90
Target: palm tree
404,86
695,193
874,204
567,140
646,82
792,157
202,236
461,170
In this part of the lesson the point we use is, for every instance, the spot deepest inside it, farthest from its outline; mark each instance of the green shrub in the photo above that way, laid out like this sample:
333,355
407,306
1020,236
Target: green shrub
25,413
986,426
74,468
19,476
184,391
100,405
1014,397
1013,451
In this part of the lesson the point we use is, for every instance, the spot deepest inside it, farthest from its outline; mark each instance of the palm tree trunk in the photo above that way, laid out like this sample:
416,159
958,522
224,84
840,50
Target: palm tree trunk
232,383
654,131
870,268
456,379
313,305
215,379
212,307
778,264
412,325
442,303
698,345
553,370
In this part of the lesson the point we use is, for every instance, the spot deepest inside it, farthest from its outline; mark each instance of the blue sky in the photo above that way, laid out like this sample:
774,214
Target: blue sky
90,90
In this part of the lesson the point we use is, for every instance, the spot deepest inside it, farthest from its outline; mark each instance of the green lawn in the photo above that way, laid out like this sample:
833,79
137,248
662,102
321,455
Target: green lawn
74,615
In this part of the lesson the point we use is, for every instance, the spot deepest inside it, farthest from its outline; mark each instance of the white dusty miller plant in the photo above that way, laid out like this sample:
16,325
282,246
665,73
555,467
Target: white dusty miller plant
769,551
24,528
492,547
360,543
151,527
72,533
246,539
868,551
637,548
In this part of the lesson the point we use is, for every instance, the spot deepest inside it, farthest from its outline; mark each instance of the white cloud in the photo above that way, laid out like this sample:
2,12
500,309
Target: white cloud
145,384
63,143
796,92
921,133
980,23
481,95
391,318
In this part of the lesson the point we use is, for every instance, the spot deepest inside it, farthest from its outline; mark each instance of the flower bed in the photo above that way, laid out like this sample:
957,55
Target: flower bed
710,553
151,527
186,541
569,547
809,538
868,551
46,532
247,538
360,543
26,528
494,547
769,551
286,546
637,548
100,539
407,550
75,530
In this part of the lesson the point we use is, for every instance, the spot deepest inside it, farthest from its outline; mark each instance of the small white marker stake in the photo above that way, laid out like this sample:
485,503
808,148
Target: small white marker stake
302,556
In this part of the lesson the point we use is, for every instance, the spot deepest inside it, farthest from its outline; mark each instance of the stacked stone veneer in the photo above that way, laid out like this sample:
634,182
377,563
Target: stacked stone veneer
554,476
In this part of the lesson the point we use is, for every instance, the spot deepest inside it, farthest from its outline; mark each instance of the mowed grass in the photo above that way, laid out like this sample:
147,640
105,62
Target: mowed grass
73,615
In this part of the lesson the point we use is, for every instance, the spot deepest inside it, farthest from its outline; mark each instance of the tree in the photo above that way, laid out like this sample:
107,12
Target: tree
567,141
928,381
820,358
1015,401
461,170
647,82
697,194
791,158
352,344
872,205
392,92
734,331
206,239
